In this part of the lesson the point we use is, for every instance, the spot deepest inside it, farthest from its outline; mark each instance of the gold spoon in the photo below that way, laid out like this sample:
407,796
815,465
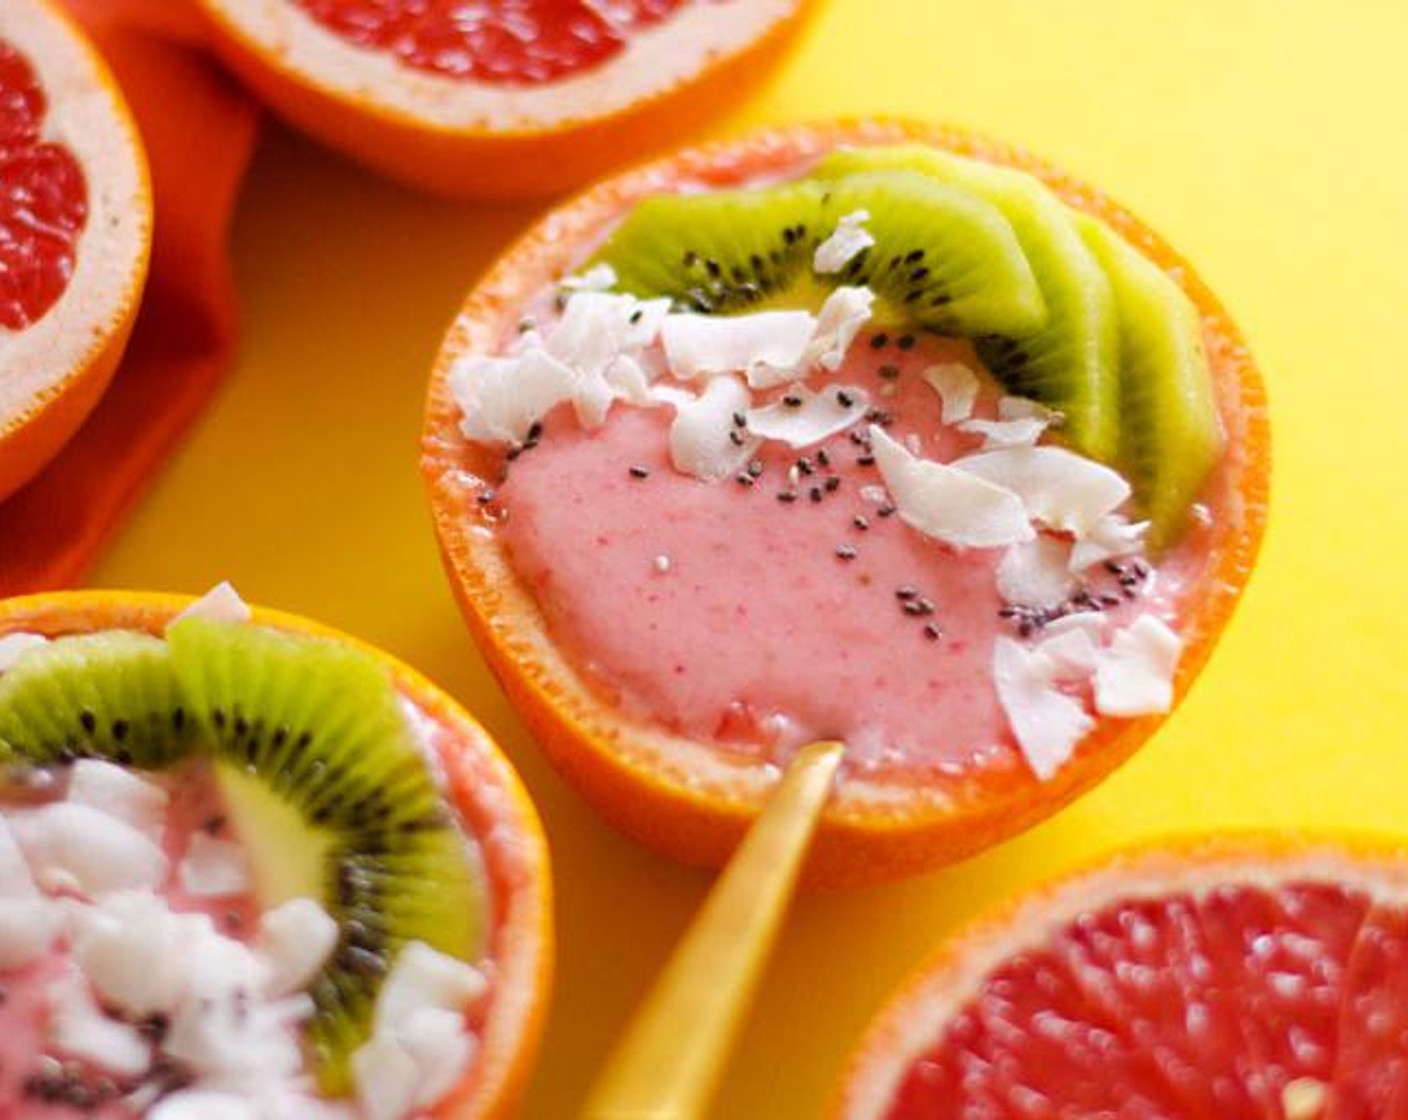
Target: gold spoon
669,1061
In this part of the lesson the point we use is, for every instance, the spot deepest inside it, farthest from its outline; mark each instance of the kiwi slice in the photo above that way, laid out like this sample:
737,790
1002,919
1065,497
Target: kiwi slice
316,727
1071,362
111,695
942,259
1170,432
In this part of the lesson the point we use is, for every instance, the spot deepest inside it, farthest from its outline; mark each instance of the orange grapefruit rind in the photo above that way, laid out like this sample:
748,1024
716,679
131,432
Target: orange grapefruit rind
488,796
688,799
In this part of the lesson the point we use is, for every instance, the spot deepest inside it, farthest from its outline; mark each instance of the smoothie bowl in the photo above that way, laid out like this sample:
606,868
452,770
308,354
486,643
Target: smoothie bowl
252,869
874,432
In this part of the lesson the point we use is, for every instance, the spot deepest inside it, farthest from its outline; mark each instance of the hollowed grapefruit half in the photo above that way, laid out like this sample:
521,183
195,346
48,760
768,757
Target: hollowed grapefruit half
688,798
492,807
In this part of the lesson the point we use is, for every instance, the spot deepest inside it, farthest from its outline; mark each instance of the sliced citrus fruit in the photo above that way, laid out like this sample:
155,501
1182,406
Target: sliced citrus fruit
501,99
75,233
1238,978
860,567
326,847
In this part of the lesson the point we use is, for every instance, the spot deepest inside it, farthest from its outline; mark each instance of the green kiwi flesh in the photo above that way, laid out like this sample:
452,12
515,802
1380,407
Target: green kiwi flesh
1170,432
319,768
111,695
943,258
1071,363
318,722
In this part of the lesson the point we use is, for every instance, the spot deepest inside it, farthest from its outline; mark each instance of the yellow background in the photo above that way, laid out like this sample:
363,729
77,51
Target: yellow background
1267,139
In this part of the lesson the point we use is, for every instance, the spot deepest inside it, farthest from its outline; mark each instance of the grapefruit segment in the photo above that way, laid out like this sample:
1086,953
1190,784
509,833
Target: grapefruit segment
75,233
1244,981
506,98
516,42
1371,1066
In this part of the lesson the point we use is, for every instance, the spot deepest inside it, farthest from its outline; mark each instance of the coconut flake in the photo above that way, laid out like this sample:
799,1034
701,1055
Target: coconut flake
845,311
425,977
222,603
502,398
28,926
79,1029
1005,433
598,278
1112,537
386,1078
1047,723
846,240
1036,573
441,1047
15,879
202,1104
130,947
705,439
1024,408
957,386
628,381
78,848
956,507
15,646
817,416
1135,673
1071,654
764,345
1061,489
596,328
214,868
118,792
295,941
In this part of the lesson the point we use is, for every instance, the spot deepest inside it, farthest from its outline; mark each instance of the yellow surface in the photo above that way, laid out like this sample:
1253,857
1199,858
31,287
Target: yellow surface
1264,138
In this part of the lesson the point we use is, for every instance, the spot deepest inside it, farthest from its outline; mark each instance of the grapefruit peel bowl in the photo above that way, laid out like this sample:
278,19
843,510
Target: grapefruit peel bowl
53,373
687,799
487,795
915,1014
466,139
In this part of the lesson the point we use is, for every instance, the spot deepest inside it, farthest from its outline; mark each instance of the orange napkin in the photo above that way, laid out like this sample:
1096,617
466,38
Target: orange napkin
199,133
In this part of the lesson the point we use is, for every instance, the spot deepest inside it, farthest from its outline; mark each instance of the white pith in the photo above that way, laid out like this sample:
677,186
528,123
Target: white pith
653,60
912,1023
85,117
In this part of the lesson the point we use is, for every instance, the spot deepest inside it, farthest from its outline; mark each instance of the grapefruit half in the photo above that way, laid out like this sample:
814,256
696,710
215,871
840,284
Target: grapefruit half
501,98
688,798
491,804
75,233
1239,978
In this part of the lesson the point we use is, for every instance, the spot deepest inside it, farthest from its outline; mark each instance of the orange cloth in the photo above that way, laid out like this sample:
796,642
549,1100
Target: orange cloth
199,132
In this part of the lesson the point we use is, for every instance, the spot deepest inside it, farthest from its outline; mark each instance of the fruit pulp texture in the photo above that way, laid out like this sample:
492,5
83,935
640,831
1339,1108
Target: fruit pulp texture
728,614
43,199
1184,1006
195,806
505,42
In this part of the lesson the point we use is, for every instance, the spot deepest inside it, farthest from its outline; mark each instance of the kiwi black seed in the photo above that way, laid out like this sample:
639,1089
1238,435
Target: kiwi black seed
319,724
111,695
942,258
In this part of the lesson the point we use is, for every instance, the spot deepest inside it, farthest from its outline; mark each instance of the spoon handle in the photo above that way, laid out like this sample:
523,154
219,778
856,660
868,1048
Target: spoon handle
669,1061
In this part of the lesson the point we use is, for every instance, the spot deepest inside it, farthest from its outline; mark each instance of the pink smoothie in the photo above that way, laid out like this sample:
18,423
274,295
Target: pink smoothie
34,1086
727,613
